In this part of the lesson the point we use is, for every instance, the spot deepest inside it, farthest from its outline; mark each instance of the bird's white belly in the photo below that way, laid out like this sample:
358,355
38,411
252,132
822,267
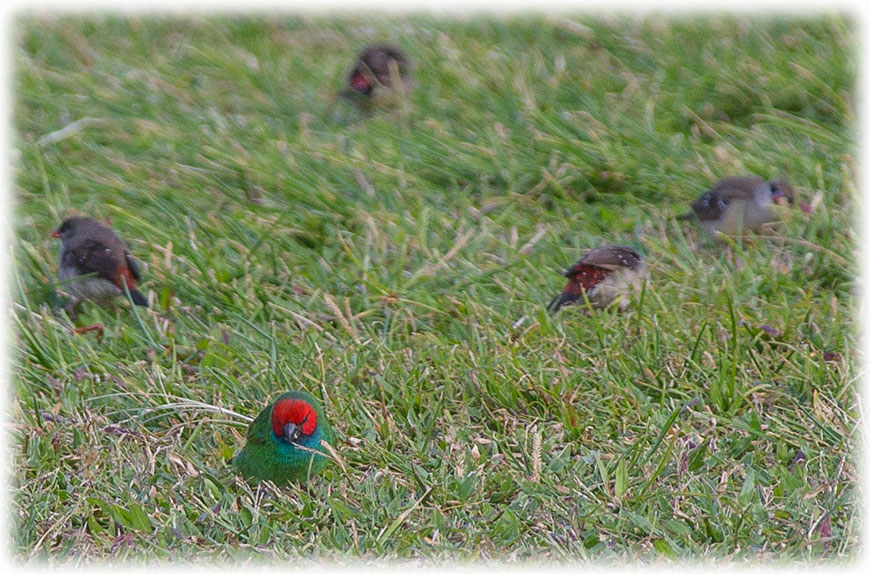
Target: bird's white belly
93,288
741,216
617,285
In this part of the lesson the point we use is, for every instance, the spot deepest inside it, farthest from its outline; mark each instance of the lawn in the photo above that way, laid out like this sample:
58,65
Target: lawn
397,264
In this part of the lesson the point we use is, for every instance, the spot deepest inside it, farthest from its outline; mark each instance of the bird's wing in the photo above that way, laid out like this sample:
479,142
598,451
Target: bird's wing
258,430
610,257
95,257
711,206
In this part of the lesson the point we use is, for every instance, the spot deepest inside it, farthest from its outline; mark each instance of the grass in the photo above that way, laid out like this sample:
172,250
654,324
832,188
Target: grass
397,265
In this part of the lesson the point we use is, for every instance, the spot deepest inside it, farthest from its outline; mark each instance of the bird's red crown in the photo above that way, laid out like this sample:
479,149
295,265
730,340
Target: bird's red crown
293,411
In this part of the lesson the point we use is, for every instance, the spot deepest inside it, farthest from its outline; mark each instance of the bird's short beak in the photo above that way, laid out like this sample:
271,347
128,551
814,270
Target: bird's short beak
56,233
290,431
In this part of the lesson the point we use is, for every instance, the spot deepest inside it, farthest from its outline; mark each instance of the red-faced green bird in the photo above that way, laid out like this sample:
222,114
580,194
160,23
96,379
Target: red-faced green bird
284,441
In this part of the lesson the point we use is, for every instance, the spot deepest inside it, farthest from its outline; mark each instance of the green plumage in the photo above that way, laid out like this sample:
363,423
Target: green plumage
266,457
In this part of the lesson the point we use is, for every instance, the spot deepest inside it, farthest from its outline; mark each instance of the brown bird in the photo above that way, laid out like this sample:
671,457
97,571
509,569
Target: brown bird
606,275
736,204
94,262
377,67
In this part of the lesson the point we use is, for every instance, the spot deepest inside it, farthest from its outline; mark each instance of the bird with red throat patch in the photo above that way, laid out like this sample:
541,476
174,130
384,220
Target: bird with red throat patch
605,275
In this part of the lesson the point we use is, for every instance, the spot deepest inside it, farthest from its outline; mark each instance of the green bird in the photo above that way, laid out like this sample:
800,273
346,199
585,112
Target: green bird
284,441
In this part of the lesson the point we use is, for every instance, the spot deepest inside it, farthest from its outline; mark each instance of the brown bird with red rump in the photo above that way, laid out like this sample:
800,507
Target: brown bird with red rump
606,275
94,262
376,69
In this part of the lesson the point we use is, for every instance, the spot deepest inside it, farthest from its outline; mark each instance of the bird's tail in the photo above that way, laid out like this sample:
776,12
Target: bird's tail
138,298
563,298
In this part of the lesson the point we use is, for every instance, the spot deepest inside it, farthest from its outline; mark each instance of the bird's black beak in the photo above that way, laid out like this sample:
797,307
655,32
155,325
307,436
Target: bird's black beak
565,273
291,432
